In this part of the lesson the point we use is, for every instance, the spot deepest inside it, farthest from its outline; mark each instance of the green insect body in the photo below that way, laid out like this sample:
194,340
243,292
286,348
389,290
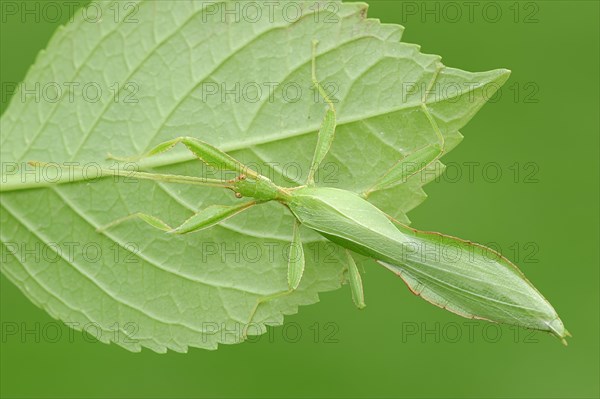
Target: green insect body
460,276
445,271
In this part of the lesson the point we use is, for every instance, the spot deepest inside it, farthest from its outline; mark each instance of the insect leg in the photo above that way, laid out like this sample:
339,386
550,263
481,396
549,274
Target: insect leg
205,152
295,259
407,167
78,173
356,285
327,129
160,148
418,160
211,216
203,219
151,220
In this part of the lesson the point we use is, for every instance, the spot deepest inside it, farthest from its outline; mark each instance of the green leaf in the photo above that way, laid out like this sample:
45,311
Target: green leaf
217,285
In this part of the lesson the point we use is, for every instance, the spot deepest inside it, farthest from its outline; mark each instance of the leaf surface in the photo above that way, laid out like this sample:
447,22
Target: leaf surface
143,288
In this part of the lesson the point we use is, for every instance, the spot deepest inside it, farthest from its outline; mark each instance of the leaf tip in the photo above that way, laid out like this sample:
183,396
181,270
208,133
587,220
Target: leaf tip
502,75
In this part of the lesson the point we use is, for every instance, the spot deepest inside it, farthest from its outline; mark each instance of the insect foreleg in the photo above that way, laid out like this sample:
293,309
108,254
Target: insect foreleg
205,152
79,173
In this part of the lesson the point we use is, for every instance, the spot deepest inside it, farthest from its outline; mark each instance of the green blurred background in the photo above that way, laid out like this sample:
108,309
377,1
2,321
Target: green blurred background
541,133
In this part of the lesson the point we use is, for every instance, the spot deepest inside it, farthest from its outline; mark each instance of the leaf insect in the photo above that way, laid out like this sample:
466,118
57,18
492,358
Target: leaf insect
475,282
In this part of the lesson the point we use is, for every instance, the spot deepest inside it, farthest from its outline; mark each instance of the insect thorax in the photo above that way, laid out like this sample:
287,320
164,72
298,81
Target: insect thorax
260,188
